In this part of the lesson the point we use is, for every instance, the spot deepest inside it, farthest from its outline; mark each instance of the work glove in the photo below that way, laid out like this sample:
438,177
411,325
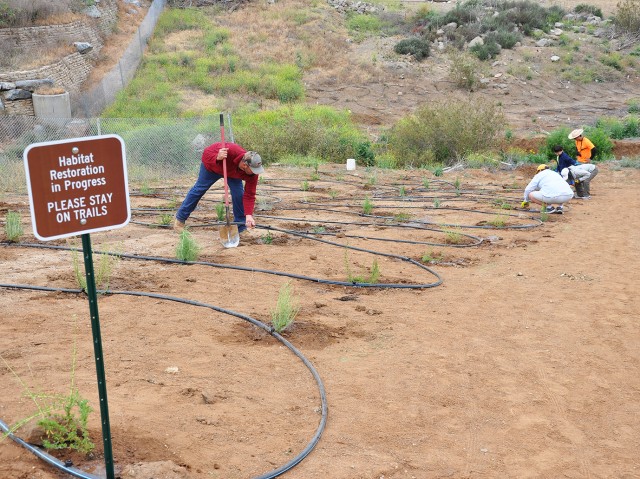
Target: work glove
525,204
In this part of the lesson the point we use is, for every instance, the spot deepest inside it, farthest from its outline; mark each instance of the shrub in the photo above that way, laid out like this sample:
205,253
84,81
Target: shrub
417,47
488,50
286,310
589,9
446,131
506,39
187,248
465,71
627,17
13,226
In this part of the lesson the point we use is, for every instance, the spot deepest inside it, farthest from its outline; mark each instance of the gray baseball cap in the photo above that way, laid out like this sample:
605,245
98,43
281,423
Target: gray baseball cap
255,162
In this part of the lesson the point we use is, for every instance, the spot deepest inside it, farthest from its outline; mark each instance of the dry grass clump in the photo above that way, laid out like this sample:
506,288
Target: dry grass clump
50,90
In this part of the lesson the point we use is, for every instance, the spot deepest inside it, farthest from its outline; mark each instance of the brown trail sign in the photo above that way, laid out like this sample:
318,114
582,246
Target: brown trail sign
77,186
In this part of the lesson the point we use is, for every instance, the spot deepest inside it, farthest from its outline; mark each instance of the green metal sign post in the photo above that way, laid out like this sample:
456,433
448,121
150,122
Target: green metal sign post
97,349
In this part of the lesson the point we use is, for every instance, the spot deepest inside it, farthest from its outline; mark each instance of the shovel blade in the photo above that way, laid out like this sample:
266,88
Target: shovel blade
229,236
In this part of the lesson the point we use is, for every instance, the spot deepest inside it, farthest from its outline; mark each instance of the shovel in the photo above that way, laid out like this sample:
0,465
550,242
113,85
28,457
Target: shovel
228,233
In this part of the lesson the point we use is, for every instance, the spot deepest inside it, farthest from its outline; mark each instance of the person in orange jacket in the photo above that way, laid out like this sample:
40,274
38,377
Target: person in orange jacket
586,149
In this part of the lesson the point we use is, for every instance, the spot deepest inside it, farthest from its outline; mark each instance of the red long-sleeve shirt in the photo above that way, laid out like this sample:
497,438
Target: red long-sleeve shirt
234,156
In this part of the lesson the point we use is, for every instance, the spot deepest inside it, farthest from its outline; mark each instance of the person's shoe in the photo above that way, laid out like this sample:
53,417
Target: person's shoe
551,209
558,210
178,226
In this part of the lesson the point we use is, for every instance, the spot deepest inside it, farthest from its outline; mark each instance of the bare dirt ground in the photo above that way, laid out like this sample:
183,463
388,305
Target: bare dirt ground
523,363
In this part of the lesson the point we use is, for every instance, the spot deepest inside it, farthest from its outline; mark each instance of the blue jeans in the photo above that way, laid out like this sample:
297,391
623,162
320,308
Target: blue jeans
205,180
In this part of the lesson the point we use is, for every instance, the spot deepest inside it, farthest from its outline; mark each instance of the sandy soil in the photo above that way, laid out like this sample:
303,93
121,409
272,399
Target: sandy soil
523,363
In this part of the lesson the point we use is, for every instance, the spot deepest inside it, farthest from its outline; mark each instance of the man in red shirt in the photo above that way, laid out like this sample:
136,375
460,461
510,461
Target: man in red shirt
241,165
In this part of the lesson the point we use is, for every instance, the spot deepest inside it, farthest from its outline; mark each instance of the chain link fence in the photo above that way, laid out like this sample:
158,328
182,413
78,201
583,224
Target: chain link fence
92,102
159,151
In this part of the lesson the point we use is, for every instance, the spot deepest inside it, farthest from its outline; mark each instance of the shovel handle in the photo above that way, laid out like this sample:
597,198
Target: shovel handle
224,165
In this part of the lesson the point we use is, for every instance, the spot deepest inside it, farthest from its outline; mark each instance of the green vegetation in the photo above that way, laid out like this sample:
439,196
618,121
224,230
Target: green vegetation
371,277
221,212
432,257
453,236
13,226
187,248
165,219
63,418
286,309
103,266
367,206
418,48
304,186
446,131
267,239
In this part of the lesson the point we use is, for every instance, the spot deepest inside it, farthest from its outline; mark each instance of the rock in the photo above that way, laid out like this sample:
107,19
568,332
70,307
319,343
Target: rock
476,41
543,42
32,85
5,85
555,58
172,370
17,94
83,47
93,12
208,398
556,32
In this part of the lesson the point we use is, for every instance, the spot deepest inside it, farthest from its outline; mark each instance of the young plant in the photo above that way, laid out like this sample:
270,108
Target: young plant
453,237
436,203
314,177
268,238
104,263
438,171
63,418
333,194
220,211
499,221
304,186
401,217
425,183
367,206
286,310
13,227
166,219
187,249
402,192
372,180
432,257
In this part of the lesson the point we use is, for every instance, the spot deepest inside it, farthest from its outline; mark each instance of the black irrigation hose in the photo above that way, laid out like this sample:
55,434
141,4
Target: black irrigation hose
267,271
272,474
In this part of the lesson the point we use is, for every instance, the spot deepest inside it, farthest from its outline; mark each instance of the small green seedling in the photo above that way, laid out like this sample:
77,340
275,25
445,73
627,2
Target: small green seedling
499,221
333,194
286,310
220,211
402,192
436,202
166,219
305,186
13,226
426,183
432,257
267,239
187,248
367,206
438,171
453,237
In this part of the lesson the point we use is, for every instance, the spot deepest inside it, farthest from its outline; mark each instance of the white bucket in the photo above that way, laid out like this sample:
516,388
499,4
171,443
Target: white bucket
351,164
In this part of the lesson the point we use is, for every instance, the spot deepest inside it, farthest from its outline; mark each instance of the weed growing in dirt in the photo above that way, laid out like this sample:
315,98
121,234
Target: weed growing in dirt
453,236
466,71
367,206
402,192
286,309
402,217
104,264
267,239
437,170
13,226
165,219
63,418
436,203
333,194
304,186
432,257
220,211
426,183
499,221
371,278
187,248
